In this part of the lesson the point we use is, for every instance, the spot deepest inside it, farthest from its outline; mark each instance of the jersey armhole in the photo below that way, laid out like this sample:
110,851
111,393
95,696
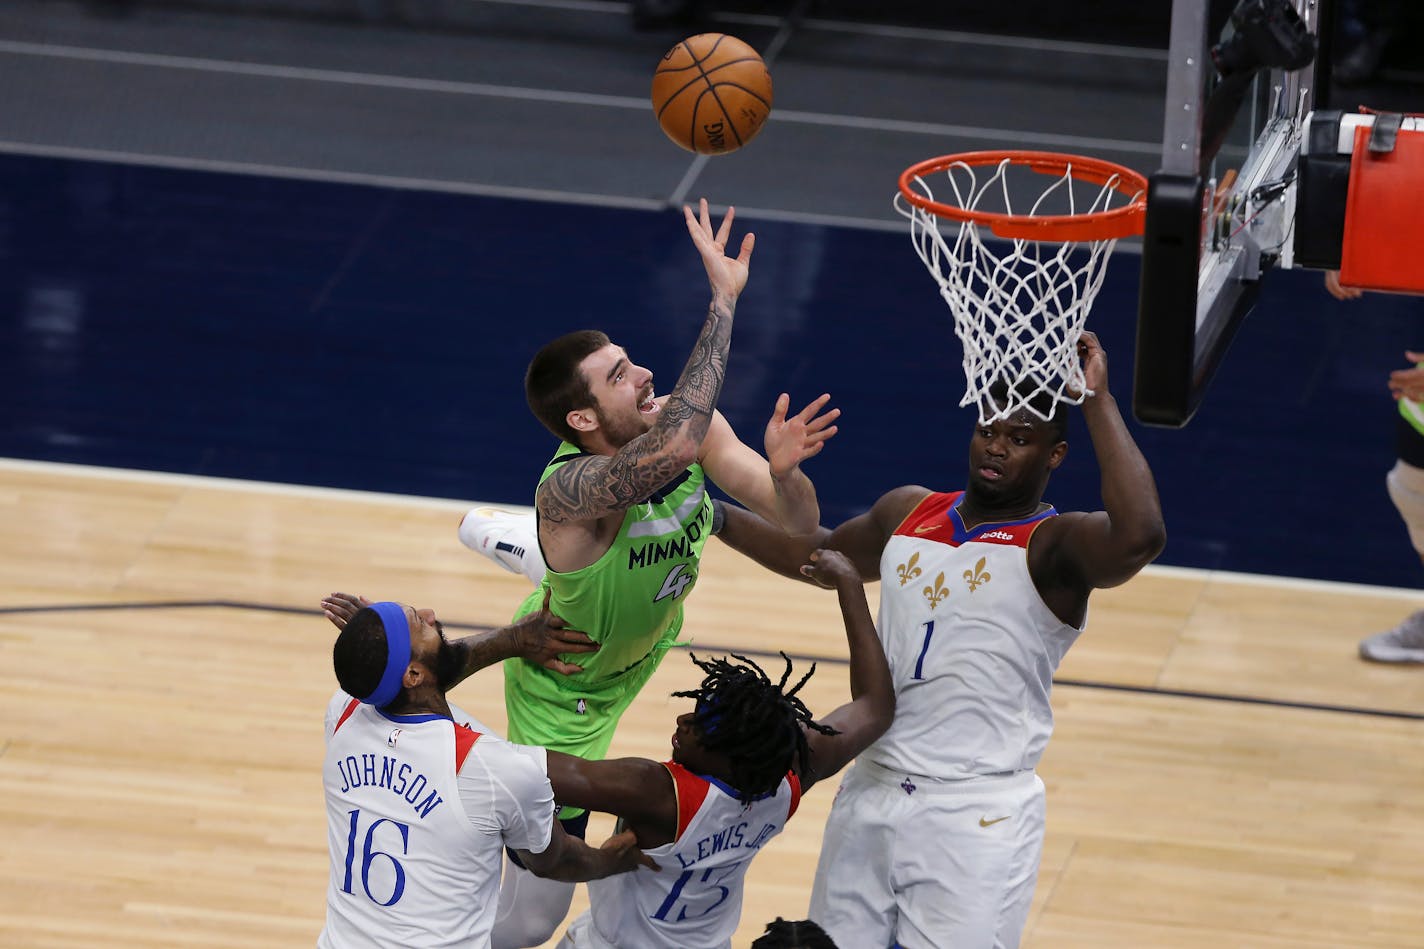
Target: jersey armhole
691,791
345,714
795,783
465,738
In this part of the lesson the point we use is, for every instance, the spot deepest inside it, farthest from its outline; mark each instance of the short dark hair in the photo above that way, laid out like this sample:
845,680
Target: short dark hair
793,934
554,385
756,723
1003,392
359,656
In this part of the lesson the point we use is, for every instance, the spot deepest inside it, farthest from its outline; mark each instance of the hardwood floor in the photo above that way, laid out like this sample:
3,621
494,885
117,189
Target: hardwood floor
1225,772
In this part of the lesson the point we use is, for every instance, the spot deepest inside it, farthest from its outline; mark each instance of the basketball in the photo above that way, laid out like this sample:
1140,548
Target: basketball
712,93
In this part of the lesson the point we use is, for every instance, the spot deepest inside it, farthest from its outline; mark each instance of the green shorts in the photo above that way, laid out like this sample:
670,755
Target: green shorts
546,709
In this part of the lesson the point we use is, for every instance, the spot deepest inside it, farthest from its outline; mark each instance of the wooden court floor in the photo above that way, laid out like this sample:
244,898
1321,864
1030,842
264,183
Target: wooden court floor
1225,772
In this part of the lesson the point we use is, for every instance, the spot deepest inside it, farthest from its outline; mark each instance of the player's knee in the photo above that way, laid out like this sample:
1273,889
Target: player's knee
1406,490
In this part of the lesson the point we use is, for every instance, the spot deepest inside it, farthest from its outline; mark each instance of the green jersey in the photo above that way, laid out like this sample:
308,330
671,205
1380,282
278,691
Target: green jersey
629,601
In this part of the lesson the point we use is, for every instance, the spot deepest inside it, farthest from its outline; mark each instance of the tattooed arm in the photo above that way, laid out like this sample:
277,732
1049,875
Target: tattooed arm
590,488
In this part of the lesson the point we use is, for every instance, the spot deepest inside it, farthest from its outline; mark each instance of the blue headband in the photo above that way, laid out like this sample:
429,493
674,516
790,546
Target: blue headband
397,627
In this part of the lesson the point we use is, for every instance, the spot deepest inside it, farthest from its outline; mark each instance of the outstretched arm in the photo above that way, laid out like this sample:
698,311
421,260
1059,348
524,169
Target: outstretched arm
861,538
541,637
591,487
866,717
775,486
569,859
1109,547
638,790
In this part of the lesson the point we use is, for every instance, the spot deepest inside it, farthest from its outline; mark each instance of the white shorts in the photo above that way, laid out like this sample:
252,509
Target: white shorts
929,864
582,935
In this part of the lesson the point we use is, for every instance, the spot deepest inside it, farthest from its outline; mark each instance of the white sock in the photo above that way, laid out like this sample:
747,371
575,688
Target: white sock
530,908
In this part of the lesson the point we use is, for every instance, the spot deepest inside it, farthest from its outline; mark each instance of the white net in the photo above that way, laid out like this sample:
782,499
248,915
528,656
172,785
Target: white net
1019,305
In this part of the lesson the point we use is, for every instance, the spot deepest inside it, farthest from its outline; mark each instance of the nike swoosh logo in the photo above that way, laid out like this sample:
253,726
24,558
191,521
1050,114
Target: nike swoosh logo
991,823
926,528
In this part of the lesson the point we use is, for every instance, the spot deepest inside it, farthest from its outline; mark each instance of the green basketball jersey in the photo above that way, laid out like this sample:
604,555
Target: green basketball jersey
629,601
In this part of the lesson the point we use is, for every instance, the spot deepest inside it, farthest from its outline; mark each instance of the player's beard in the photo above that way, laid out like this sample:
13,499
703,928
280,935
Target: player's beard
447,662
619,430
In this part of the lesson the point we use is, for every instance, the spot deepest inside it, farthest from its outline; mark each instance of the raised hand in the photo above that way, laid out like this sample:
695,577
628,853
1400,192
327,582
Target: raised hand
340,607
728,275
541,637
1095,362
790,441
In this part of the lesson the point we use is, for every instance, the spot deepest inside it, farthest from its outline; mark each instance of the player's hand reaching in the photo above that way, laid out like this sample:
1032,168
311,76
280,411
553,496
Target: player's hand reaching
728,275
1408,383
340,607
541,637
1339,291
790,441
831,569
623,848
1095,362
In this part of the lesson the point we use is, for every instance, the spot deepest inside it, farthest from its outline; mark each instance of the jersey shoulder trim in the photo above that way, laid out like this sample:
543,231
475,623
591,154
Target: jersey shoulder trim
691,791
346,713
465,738
795,783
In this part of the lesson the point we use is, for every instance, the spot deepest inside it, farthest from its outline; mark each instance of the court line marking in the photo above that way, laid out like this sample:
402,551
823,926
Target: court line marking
556,96
1032,44
141,159
101,473
294,172
759,653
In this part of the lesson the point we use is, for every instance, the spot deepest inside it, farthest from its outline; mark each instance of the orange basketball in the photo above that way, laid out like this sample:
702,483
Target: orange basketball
712,93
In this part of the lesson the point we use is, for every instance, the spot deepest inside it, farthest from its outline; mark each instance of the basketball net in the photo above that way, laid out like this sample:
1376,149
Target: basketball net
1019,305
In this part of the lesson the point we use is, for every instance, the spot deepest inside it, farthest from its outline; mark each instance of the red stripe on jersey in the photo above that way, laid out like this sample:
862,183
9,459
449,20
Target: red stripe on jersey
465,738
795,783
350,707
691,792
930,518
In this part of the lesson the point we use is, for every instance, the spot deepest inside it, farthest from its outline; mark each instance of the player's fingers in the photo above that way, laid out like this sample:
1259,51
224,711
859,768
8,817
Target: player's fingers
778,412
562,668
815,406
748,242
581,643
1413,356
725,231
704,218
821,421
647,861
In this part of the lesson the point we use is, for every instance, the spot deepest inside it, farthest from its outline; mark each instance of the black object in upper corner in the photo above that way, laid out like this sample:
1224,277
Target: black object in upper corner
1269,35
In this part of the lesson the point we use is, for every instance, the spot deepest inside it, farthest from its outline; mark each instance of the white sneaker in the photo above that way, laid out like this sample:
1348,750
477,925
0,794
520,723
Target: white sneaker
1404,643
509,539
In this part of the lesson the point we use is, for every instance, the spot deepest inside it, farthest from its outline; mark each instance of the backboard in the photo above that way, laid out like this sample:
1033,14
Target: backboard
1242,79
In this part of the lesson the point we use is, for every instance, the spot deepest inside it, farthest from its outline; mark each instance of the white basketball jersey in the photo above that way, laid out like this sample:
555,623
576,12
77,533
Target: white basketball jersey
419,810
695,901
972,646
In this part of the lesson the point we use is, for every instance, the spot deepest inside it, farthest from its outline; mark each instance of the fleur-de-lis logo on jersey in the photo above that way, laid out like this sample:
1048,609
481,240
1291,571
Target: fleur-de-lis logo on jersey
908,571
936,591
977,576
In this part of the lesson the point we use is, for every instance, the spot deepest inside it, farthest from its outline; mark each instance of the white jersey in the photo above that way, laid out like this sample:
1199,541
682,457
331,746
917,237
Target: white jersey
695,901
972,646
419,809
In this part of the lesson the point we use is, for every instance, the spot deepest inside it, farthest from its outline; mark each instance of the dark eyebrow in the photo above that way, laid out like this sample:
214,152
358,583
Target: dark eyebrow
616,367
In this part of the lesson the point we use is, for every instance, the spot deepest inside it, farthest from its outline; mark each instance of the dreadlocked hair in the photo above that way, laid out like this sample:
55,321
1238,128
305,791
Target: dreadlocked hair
793,934
755,722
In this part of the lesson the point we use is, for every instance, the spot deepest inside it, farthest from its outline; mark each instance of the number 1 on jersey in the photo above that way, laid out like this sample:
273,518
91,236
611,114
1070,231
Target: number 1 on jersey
920,662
